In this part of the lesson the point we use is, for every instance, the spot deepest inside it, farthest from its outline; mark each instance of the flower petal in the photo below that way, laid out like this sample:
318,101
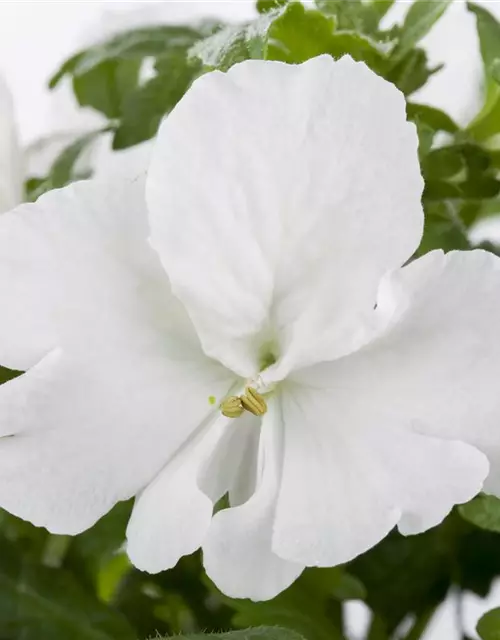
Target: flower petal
11,169
237,550
297,196
118,382
391,433
171,516
440,356
85,434
351,472
77,271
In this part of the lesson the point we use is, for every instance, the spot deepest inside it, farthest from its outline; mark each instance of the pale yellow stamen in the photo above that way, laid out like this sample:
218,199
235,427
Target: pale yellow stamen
232,407
251,401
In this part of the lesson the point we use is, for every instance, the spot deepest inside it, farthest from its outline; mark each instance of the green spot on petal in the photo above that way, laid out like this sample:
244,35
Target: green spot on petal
212,400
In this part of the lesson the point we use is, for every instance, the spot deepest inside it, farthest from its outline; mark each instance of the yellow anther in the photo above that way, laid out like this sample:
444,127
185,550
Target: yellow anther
253,402
232,407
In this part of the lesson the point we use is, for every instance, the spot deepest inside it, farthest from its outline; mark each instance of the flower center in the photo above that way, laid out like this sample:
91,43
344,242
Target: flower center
253,399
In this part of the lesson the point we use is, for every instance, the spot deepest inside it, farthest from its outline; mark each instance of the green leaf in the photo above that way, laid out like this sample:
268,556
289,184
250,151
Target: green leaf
443,163
488,626
291,34
483,511
495,70
63,169
357,15
257,633
299,34
39,602
403,575
8,374
419,20
105,85
235,43
263,6
104,75
487,123
144,108
131,45
435,118
412,71
91,554
309,606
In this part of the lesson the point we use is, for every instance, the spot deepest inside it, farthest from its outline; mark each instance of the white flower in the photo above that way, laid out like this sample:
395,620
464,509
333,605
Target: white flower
281,203
11,174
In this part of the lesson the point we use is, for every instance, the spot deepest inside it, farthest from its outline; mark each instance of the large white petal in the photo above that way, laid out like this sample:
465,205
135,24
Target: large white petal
82,434
351,472
237,550
118,381
11,166
297,188
439,360
77,271
391,433
172,515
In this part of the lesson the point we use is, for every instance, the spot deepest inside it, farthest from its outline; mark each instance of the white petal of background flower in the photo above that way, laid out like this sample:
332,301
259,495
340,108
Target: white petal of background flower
11,165
121,381
288,194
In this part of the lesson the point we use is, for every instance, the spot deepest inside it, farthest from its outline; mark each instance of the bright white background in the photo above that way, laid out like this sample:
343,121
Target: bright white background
35,37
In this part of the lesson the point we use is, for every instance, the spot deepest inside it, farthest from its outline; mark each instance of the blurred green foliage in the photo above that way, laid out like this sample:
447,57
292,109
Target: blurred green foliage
55,587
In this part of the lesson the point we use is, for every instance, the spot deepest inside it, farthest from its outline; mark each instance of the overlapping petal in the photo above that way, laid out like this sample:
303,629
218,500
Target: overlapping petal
237,550
392,433
118,382
172,515
77,271
293,205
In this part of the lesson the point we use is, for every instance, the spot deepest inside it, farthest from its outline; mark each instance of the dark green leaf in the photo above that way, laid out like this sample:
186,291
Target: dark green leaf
48,604
8,374
105,86
309,606
143,108
483,511
443,163
34,187
488,626
412,71
91,553
421,17
434,118
403,576
65,69
378,629
257,633
132,45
